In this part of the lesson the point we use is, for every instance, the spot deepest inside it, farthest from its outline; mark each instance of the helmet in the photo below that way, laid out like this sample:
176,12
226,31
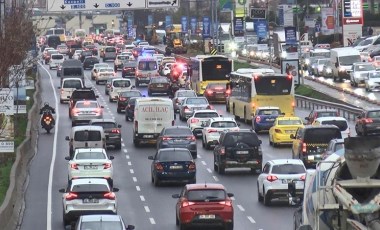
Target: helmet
46,104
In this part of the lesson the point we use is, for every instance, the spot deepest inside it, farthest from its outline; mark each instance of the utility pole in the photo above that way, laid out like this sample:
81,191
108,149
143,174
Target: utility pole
212,23
2,18
80,19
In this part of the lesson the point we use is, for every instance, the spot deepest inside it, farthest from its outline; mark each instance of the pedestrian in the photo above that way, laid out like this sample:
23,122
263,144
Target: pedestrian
370,31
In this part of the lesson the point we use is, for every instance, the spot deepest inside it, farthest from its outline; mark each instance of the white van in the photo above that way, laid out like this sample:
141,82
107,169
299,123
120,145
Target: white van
68,86
117,86
56,60
147,67
342,60
87,136
340,122
151,116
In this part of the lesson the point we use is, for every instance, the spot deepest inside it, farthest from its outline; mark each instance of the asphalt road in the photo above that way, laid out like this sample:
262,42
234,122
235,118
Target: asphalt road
139,202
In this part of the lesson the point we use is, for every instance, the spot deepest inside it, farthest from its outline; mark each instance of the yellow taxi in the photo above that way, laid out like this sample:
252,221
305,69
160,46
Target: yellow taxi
282,128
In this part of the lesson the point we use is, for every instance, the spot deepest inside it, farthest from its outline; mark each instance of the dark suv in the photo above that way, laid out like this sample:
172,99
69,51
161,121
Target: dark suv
310,142
81,95
368,122
111,130
238,149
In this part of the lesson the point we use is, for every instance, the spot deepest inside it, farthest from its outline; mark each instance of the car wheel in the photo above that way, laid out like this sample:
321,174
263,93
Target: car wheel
156,182
136,143
270,142
229,226
118,146
203,143
118,110
137,83
97,82
358,132
60,101
267,198
245,118
257,130
73,123
176,220
260,198
110,99
65,221
182,226
221,169
215,166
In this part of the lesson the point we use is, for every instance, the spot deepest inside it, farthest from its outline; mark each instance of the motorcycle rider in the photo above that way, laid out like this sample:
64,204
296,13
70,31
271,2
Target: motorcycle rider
47,108
47,111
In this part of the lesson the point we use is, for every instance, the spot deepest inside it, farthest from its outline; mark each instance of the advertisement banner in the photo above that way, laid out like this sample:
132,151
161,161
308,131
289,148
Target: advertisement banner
351,33
352,21
290,35
19,95
328,21
184,24
206,27
238,26
6,121
290,67
193,25
288,15
261,28
281,16
168,21
225,5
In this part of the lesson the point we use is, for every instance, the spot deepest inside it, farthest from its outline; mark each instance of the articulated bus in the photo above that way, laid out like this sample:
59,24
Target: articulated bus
250,90
207,69
57,31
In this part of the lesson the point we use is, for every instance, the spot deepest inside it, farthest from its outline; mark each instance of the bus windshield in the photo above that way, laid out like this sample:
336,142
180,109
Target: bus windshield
216,69
273,85
59,31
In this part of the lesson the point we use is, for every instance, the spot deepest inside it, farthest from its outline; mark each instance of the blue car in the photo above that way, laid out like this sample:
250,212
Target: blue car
264,118
173,165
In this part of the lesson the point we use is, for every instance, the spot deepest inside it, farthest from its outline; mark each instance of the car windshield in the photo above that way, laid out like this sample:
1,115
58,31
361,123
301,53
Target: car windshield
374,75
159,80
290,122
374,114
322,135
366,42
105,125
101,225
206,115
327,114
223,124
341,124
90,155
206,195
269,112
121,83
90,188
131,94
288,169
87,104
86,135
188,93
177,155
110,49
349,60
364,68
178,132
106,70
196,101
77,84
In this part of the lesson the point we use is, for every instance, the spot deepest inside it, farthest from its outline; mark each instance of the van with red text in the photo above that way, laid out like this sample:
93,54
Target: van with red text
151,116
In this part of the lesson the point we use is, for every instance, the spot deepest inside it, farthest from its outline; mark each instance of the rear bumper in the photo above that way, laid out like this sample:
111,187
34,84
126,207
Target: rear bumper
195,220
147,137
253,164
177,176
112,140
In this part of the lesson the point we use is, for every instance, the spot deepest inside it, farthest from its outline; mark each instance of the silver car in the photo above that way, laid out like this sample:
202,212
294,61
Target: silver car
179,96
359,72
84,111
96,68
191,104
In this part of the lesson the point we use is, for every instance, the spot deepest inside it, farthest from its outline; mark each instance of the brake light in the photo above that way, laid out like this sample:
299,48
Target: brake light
289,77
75,111
303,177
109,195
98,110
368,120
107,165
304,147
226,203
277,130
228,92
192,166
271,178
186,109
177,101
293,104
136,126
71,196
194,120
74,166
222,151
115,131
212,130
122,99
159,167
166,138
209,92
187,203
191,138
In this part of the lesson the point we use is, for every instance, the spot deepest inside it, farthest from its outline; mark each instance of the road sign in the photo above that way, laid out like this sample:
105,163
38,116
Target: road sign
317,27
257,13
161,3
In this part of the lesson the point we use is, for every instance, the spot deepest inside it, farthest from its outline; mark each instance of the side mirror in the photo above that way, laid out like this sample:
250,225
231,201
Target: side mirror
102,106
119,126
133,87
111,157
230,194
151,158
292,136
62,190
68,158
221,115
260,142
115,189
95,71
67,138
307,118
238,125
336,64
176,196
359,117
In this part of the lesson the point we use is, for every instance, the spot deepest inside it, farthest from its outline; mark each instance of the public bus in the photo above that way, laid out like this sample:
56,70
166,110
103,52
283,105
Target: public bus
57,31
252,89
207,69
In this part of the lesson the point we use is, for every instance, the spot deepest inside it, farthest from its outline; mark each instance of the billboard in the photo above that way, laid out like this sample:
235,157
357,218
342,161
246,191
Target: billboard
290,67
168,21
206,27
290,35
352,21
6,121
285,15
19,105
193,25
328,21
184,24
238,26
261,28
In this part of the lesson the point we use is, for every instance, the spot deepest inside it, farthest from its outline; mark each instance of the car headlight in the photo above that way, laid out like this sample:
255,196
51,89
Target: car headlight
283,55
357,74
307,61
370,83
252,53
328,70
233,54
233,46
320,68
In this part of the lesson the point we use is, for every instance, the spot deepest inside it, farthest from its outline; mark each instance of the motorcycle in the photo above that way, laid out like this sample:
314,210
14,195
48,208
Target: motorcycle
47,120
174,87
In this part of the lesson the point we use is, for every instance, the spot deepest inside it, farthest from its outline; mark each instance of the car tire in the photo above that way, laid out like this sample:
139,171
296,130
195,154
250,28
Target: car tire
176,220
182,226
137,83
270,142
118,110
357,132
149,93
156,182
60,101
66,221
229,226
260,198
118,146
267,198
221,169
97,82
72,123
136,143
215,166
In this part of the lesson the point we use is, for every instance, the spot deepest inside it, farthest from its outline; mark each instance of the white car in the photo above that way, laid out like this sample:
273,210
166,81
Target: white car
129,47
272,183
56,60
129,54
214,127
143,44
90,162
77,54
200,119
95,69
118,63
340,122
359,71
372,82
167,68
87,196
117,86
104,74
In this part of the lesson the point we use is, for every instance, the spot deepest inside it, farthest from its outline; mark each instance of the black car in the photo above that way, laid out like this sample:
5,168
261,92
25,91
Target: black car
173,165
123,98
89,62
177,137
238,149
368,122
130,109
84,54
129,69
111,129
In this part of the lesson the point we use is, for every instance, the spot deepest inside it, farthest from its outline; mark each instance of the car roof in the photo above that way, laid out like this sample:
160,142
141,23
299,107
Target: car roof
286,161
335,118
119,78
173,149
267,107
89,180
103,120
371,110
222,119
325,110
100,217
86,127
177,127
204,186
81,150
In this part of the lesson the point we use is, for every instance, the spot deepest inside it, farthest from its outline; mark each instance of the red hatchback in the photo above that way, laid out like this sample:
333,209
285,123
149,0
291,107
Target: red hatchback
204,205
216,92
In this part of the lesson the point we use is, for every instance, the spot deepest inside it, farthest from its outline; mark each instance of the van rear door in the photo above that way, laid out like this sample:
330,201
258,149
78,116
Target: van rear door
152,118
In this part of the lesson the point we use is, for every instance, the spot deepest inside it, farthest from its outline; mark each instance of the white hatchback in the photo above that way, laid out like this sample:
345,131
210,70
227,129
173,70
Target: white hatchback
200,119
340,122
117,86
56,60
214,127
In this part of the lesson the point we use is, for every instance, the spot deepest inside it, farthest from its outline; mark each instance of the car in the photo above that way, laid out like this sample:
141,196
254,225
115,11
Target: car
213,204
109,52
130,109
92,48
158,85
84,54
191,104
47,57
90,162
165,68
129,69
173,165
118,85
340,122
317,66
67,88
314,114
129,47
179,95
56,60
111,129
84,111
136,52
86,136
214,127
238,149
83,193
368,122
63,49
359,71
177,137
118,63
376,62
95,69
77,54
123,98
309,142
104,74
372,81
80,95
216,92
272,183
102,221
119,47
327,70
143,44
264,118
200,119
279,133
89,62
334,146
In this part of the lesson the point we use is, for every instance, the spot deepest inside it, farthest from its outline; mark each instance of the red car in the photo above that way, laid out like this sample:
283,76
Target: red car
216,92
204,205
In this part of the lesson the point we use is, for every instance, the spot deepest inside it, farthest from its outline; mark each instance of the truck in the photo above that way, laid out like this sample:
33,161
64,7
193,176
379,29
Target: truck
343,192
175,40
283,51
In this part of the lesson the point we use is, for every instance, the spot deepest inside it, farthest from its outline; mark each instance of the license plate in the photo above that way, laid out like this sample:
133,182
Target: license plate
148,136
242,152
270,119
204,123
160,86
289,131
90,201
207,217
90,167
286,181
176,167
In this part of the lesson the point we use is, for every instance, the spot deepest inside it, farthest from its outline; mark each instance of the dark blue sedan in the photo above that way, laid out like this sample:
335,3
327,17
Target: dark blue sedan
264,118
173,165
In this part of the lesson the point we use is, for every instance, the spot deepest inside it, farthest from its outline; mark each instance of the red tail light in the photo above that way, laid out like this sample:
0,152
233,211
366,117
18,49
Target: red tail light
107,165
228,92
191,138
115,131
187,203
177,101
186,109
75,111
194,120
304,147
368,120
166,138
226,203
192,166
98,110
159,167
222,151
71,196
109,195
303,177
293,104
271,178
212,130
123,99
74,166
258,119
209,92
277,130
136,126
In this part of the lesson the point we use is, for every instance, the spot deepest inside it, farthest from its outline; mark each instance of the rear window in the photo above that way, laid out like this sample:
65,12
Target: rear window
87,53
290,122
86,104
91,59
339,146
74,71
177,155
106,70
206,195
288,169
101,225
86,135
196,101
121,83
90,155
327,114
186,94
72,84
223,124
159,80
84,94
178,132
342,125
322,135
110,49
57,57
90,188
374,114
206,115
105,125
147,65
269,112
216,86
250,139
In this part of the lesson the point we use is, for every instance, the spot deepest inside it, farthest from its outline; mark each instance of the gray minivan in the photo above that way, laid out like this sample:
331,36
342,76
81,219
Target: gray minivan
72,68
109,53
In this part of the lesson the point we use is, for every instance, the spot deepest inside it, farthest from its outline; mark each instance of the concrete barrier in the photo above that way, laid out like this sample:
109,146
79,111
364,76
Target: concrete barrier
13,205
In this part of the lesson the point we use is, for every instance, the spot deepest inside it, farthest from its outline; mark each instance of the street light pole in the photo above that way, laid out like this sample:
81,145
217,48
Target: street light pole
2,18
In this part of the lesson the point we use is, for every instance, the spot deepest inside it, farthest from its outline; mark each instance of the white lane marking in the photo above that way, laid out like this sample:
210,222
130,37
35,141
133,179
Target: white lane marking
131,171
142,198
215,178
126,156
199,156
121,139
240,207
125,150
122,144
129,163
209,170
138,188
232,198
251,219
134,179
146,209
203,162
52,163
152,220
